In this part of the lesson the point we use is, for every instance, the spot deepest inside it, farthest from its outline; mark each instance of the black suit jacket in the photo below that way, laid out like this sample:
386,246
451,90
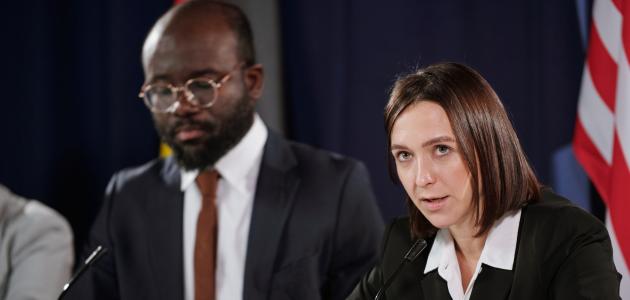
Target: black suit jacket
563,252
314,231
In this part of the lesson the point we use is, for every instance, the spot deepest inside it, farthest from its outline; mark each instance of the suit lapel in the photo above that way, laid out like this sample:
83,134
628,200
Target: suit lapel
434,287
164,215
408,285
275,190
492,283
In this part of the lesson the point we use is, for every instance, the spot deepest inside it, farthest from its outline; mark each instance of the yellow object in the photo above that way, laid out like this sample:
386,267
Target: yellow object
165,150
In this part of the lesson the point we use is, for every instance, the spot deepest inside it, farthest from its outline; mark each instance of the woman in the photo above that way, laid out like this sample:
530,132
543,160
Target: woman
492,231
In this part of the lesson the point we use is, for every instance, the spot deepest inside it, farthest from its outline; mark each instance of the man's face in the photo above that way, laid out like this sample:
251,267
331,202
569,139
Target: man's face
200,136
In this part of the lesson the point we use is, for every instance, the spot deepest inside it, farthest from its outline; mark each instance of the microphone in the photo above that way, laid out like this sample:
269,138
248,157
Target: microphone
94,256
410,256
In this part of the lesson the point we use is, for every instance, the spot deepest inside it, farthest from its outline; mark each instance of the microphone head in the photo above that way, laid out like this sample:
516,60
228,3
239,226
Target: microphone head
415,250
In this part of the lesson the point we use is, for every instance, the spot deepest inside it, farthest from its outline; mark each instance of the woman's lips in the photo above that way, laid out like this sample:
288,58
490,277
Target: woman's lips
434,204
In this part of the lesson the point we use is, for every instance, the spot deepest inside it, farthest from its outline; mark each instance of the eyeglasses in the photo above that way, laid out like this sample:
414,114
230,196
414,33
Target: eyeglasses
162,97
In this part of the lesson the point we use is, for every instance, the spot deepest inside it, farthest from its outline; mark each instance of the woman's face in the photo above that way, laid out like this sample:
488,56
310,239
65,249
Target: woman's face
431,167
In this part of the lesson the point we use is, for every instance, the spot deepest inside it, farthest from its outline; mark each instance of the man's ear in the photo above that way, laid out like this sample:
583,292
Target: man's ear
254,79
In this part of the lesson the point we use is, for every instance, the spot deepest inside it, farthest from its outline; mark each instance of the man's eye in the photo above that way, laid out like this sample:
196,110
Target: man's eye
159,90
200,85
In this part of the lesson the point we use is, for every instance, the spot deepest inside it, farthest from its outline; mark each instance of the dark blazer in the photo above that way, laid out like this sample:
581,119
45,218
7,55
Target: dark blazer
563,252
314,231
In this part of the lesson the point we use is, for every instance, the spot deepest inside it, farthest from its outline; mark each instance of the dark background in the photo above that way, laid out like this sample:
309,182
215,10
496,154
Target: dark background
70,115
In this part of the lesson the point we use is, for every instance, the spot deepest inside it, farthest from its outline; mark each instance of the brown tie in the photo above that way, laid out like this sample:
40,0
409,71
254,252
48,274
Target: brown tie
206,238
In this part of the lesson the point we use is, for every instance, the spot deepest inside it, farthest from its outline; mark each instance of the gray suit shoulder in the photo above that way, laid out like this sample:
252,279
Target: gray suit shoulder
36,249
30,216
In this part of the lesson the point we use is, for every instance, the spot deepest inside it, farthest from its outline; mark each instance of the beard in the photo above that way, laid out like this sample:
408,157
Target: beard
221,135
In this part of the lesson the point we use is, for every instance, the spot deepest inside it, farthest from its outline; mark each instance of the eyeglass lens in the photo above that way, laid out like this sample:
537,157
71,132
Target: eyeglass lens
199,92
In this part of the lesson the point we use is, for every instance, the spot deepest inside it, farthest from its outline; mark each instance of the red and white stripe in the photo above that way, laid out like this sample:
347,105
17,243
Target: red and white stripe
602,132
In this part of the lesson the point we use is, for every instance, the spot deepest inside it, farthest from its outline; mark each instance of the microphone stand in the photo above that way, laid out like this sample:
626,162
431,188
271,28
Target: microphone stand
94,256
411,255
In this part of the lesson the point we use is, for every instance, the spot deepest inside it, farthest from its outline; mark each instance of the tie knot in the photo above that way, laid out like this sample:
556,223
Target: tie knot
207,182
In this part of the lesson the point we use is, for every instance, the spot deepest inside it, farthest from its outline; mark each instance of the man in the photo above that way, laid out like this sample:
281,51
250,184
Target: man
36,249
237,212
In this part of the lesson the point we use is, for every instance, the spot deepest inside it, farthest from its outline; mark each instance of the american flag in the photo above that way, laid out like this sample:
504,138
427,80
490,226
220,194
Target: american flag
602,131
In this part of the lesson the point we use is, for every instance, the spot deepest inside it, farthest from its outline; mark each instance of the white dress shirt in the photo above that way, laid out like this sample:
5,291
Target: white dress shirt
498,252
239,169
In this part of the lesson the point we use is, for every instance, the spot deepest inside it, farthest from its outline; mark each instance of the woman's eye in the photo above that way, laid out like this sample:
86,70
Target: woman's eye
403,156
442,149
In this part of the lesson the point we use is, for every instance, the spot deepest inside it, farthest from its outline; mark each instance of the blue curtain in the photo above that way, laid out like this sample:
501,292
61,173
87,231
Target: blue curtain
70,117
341,57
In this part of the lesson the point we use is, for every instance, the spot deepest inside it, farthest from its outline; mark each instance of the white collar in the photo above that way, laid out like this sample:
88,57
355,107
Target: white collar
236,164
438,256
498,251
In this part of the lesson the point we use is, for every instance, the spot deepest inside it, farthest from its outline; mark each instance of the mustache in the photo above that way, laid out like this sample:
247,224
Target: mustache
182,124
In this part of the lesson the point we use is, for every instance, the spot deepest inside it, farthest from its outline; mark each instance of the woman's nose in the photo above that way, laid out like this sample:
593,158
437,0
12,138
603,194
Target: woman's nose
424,173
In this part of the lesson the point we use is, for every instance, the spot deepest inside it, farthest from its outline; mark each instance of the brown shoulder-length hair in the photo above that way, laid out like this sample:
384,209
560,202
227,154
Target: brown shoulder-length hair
504,180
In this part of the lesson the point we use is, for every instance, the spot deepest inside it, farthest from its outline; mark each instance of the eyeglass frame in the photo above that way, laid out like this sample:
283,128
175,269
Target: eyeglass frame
188,95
